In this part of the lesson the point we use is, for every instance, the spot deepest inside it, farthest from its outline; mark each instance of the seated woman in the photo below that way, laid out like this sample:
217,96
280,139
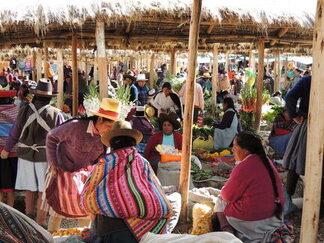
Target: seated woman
167,136
281,131
251,201
226,130
123,191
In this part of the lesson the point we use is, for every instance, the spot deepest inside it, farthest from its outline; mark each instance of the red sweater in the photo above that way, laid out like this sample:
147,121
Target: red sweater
151,154
249,192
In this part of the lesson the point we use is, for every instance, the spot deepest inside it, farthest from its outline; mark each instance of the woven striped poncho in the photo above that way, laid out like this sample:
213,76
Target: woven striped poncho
123,185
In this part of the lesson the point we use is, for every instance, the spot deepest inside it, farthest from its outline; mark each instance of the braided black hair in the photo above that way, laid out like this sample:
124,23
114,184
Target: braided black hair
252,143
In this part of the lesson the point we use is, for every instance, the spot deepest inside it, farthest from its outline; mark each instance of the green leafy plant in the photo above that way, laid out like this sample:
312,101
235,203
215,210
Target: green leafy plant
93,92
273,113
200,174
123,94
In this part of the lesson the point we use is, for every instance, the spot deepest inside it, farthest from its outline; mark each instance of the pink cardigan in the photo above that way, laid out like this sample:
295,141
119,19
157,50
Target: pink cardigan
249,191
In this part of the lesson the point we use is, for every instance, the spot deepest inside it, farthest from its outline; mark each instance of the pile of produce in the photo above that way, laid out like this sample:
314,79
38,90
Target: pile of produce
202,219
71,231
273,113
200,174
212,156
204,131
168,153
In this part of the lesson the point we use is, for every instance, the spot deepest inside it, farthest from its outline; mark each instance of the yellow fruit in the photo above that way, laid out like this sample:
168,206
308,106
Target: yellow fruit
225,152
150,112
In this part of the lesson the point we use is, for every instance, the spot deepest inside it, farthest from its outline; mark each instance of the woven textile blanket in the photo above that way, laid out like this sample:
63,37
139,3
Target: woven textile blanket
15,227
123,185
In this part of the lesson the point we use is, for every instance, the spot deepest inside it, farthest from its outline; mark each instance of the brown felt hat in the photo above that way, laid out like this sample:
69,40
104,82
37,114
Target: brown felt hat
44,88
121,128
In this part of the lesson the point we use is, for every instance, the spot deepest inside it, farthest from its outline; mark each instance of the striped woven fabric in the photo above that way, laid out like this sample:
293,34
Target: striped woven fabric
18,228
8,115
134,193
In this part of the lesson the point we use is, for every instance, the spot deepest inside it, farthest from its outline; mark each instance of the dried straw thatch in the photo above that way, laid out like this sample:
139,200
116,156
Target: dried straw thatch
148,23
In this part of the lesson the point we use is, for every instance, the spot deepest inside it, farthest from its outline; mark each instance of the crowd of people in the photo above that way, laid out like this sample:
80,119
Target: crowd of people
104,171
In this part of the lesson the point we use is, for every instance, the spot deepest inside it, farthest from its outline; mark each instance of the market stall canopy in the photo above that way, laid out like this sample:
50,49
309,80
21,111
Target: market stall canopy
153,24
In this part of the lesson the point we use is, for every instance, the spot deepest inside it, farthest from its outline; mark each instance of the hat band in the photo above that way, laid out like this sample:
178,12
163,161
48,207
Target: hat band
109,113
37,91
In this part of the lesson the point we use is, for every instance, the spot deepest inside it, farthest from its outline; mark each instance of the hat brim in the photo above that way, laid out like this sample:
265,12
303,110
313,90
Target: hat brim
165,117
41,93
95,113
137,80
137,135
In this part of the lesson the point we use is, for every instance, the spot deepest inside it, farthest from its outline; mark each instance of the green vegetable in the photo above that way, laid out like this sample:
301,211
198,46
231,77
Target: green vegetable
198,174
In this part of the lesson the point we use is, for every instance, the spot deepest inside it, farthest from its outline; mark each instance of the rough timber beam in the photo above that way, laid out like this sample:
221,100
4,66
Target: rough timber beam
281,33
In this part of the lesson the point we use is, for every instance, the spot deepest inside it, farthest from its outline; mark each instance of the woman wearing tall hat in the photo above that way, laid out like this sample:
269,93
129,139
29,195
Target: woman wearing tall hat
33,123
75,145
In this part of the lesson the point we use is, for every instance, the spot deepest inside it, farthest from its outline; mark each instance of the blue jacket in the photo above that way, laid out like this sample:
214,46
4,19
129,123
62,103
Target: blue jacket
301,90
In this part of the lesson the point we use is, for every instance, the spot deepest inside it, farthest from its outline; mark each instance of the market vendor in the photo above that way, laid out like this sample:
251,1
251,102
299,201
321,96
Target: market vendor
119,175
226,130
142,89
281,131
167,101
166,136
8,166
251,201
76,144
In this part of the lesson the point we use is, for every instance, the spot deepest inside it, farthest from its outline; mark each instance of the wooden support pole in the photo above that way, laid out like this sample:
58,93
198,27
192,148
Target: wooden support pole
315,137
277,71
60,80
252,59
286,72
189,107
39,64
34,66
226,61
215,75
152,71
259,85
102,60
173,62
95,69
46,62
75,82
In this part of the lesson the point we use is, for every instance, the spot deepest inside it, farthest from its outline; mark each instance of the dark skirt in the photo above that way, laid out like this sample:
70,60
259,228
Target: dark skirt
8,173
295,154
112,230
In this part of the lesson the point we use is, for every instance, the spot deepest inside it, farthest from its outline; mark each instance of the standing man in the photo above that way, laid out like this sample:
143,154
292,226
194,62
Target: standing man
199,102
167,101
129,80
33,123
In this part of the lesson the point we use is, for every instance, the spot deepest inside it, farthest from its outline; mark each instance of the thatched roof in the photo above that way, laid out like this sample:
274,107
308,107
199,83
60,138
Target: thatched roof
156,24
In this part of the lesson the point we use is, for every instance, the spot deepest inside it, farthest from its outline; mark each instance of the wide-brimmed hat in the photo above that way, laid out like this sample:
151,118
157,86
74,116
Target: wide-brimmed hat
121,128
109,108
141,77
131,77
44,88
206,75
151,92
170,117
